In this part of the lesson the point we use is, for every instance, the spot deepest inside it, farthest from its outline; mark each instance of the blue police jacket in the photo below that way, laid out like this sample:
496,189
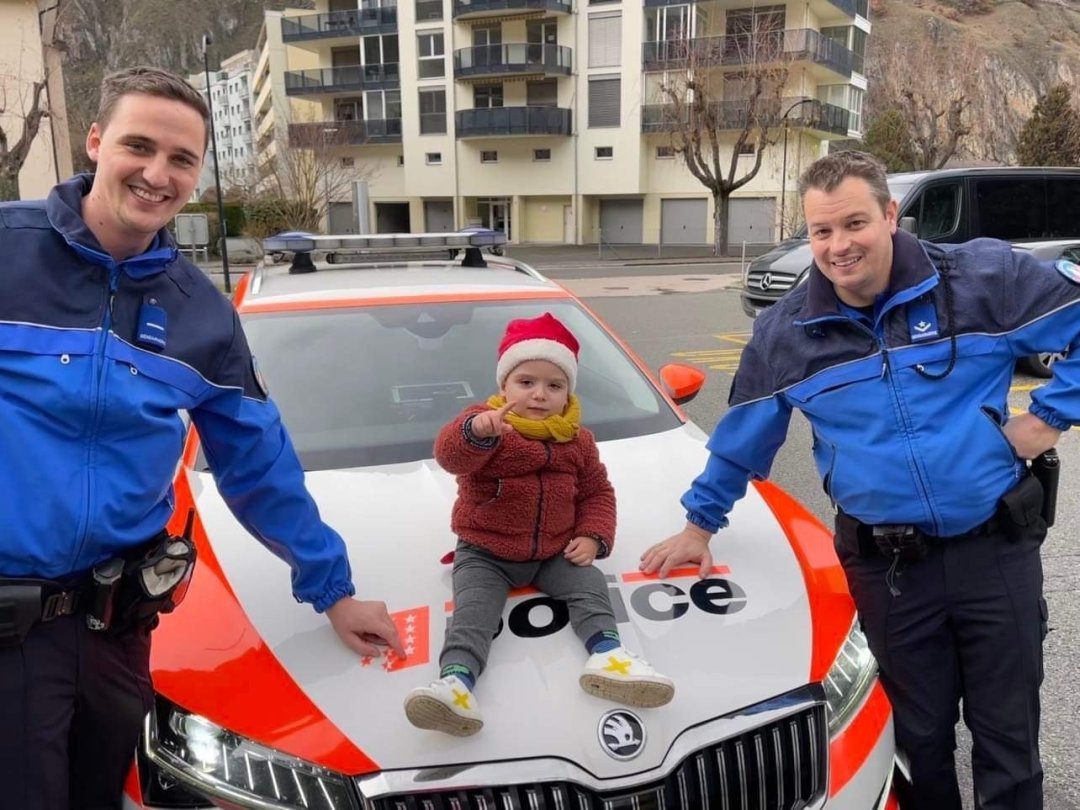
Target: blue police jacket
906,408
97,359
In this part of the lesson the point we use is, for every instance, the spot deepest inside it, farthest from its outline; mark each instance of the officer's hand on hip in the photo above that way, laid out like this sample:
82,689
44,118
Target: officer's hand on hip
365,627
1030,436
689,545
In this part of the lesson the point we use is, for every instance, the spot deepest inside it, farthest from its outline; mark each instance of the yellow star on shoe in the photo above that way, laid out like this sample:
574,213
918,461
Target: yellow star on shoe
615,665
461,699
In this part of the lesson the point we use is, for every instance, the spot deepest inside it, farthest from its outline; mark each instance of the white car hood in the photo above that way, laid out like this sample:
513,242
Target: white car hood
395,520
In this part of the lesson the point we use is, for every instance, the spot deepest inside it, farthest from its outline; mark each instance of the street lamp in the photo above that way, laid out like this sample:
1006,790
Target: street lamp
207,40
783,169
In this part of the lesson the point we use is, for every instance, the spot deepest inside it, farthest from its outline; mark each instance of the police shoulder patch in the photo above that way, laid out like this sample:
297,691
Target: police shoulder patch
260,380
1068,269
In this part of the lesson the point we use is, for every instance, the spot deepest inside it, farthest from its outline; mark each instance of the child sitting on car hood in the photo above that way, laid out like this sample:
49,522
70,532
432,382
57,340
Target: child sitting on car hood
534,507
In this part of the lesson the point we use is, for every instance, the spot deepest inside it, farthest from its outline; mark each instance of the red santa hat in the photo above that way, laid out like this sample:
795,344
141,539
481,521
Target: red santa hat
542,338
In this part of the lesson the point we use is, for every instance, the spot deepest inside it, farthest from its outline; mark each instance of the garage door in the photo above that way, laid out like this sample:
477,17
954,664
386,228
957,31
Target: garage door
620,221
438,216
751,220
682,222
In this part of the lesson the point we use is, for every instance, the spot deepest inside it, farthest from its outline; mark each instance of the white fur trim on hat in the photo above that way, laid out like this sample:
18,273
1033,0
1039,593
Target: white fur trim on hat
537,349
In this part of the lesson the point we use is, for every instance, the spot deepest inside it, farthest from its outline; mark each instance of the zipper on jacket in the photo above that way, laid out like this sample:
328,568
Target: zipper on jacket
540,503
97,398
894,387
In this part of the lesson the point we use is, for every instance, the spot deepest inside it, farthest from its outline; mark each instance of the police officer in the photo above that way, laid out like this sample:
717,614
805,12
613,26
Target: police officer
900,354
106,333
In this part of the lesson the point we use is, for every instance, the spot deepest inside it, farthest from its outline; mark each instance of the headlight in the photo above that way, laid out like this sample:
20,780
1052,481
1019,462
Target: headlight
849,678
212,761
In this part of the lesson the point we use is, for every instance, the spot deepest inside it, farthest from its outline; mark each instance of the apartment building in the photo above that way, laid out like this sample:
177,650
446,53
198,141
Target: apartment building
230,95
29,54
546,118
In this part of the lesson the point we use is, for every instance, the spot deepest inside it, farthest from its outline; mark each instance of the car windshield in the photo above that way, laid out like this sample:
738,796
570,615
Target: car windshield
364,386
898,189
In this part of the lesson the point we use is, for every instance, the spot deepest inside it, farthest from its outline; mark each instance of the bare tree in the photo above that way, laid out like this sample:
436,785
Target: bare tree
313,166
24,106
939,95
29,115
716,120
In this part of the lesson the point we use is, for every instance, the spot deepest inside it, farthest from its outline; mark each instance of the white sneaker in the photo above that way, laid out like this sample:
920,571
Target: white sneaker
623,677
446,705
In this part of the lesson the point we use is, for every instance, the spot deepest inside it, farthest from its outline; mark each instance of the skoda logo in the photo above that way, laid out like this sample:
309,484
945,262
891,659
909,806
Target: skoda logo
766,281
622,734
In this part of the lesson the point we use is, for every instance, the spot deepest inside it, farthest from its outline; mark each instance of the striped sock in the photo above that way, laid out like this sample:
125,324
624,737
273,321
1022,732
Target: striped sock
604,641
462,672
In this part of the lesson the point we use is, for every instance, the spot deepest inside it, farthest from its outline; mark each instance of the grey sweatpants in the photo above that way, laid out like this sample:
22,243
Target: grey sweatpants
482,582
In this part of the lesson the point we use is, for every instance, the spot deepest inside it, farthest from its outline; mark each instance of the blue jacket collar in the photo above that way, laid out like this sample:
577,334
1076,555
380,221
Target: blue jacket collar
913,274
64,209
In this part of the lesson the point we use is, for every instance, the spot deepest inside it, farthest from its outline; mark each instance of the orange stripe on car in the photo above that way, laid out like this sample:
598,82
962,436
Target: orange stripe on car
674,573
850,749
831,608
209,641
302,305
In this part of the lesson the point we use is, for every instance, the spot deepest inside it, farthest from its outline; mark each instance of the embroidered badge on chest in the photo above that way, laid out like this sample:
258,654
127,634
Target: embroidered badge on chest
152,330
1068,269
922,320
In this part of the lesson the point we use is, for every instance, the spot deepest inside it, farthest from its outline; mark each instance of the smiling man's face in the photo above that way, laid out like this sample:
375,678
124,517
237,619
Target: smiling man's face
148,158
851,237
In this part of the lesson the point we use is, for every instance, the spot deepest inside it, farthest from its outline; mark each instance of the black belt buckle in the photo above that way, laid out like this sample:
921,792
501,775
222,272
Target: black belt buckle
901,541
61,603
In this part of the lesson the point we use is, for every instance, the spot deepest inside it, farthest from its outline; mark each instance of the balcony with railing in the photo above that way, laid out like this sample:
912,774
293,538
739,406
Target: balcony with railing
339,24
512,59
505,121
479,9
348,79
324,134
815,115
761,48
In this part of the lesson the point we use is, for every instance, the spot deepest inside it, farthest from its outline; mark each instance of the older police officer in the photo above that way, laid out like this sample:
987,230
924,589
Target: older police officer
106,333
900,354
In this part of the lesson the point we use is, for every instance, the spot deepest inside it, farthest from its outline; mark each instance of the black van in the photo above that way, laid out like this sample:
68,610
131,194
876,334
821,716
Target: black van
1017,204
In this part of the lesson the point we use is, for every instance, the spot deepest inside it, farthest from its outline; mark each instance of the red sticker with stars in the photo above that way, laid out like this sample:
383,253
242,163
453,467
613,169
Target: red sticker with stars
412,625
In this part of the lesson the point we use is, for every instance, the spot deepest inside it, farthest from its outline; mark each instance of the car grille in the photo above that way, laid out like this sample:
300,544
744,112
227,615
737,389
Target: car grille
769,281
779,766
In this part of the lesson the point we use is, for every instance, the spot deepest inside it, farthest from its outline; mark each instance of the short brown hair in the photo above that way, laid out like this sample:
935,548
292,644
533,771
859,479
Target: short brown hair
830,171
150,82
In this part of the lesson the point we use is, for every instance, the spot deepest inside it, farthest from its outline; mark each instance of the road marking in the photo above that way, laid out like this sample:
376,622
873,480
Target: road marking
648,285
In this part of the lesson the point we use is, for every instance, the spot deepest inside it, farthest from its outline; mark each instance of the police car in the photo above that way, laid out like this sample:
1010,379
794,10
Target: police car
259,705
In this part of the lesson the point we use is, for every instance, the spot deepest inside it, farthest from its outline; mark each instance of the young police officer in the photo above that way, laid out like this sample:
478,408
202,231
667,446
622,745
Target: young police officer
106,333
900,354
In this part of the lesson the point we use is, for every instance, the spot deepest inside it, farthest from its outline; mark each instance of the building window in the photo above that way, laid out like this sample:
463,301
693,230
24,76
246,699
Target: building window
432,57
489,157
428,10
432,111
347,163
857,95
541,155
543,93
433,158
665,152
488,95
400,160
746,149
858,50
605,101
605,39
605,152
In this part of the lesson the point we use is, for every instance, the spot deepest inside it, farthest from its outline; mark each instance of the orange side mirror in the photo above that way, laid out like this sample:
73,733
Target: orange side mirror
681,382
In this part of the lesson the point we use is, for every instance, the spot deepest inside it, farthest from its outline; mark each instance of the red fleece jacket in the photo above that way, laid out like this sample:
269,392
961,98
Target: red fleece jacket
526,499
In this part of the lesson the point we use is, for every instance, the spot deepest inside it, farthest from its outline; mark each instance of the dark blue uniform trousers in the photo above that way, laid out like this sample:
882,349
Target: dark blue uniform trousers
967,627
72,703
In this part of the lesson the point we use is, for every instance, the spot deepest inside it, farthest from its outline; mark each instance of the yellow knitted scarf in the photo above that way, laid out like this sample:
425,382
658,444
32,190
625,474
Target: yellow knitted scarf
557,428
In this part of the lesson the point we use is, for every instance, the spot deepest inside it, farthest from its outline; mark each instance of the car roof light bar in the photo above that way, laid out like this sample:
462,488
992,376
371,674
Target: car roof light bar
383,242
